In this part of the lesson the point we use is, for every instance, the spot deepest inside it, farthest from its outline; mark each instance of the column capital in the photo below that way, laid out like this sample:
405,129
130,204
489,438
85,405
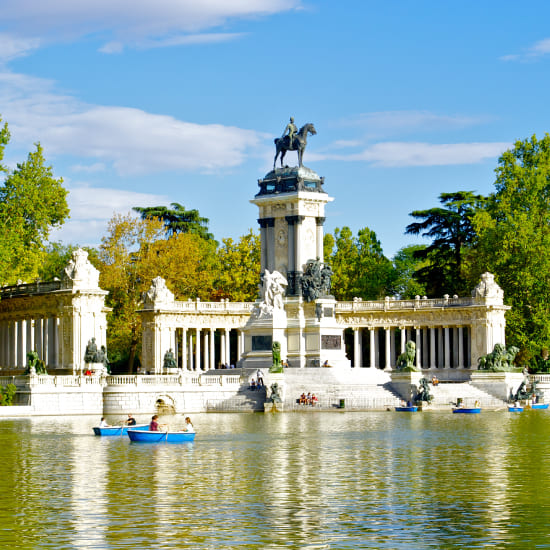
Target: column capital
266,222
320,220
294,220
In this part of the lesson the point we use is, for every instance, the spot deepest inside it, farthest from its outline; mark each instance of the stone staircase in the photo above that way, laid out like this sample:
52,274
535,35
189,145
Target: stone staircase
445,396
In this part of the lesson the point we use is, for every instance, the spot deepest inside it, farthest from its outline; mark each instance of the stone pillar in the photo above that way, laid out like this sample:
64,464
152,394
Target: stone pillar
418,343
460,347
206,351
14,343
191,358
198,349
447,364
403,339
270,237
263,243
184,357
240,344
392,347
424,358
222,346
228,346
372,358
432,349
358,360
387,349
319,243
212,349
56,342
23,343
291,244
440,348
46,340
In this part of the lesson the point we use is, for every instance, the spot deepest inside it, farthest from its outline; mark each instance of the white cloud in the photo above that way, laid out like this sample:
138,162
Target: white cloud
12,46
131,140
401,154
130,21
384,123
537,50
93,207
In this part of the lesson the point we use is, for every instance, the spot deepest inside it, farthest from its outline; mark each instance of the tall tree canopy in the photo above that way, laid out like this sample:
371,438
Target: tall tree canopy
177,219
359,266
450,228
32,203
406,263
514,240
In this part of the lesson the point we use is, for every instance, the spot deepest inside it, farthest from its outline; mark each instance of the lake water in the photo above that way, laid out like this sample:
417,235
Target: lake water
314,480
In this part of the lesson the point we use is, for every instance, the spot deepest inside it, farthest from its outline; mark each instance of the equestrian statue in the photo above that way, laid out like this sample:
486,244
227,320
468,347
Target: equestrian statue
293,140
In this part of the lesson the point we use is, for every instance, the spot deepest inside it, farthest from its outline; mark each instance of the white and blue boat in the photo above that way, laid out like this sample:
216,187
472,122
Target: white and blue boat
411,409
538,406
515,409
147,436
115,430
467,410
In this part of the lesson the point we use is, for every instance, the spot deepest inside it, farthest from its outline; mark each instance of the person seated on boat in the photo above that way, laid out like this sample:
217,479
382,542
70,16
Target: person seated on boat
409,403
131,421
103,423
435,381
154,426
188,426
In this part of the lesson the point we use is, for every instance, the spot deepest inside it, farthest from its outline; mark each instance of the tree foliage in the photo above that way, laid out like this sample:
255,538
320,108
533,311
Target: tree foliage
406,263
32,202
514,241
450,228
359,266
177,219
239,266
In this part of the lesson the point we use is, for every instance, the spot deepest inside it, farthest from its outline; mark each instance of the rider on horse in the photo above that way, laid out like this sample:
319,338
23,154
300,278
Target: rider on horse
291,129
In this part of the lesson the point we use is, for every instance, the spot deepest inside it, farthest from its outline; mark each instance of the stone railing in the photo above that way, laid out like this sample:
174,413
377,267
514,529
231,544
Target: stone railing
26,289
390,304
242,308
540,378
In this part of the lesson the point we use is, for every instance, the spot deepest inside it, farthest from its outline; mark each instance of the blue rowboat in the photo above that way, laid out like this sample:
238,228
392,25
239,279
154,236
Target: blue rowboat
467,410
115,430
515,409
540,405
146,436
406,409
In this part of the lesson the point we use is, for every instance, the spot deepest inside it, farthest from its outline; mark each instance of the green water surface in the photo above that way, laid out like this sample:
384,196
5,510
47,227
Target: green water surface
290,480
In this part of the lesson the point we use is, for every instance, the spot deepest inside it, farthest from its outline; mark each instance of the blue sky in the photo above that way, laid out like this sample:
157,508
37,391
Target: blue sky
140,103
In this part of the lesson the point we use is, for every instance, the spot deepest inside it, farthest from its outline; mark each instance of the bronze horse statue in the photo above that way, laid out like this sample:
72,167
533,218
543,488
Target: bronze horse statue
299,143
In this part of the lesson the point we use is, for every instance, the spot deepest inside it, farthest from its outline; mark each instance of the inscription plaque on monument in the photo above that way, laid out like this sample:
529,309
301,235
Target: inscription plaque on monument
262,343
331,341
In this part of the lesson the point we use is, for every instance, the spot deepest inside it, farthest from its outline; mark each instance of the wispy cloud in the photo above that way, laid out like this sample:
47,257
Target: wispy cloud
386,123
402,154
534,52
92,208
132,141
133,23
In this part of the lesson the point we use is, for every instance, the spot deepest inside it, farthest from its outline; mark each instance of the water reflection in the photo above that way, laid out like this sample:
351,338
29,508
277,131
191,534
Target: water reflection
301,480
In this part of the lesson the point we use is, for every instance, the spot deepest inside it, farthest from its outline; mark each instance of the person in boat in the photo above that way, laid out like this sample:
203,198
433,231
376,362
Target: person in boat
131,421
154,426
103,423
188,426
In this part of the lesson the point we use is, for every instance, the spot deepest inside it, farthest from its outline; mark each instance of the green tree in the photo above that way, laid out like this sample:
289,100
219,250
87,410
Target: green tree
514,241
451,231
177,219
239,268
57,256
359,266
32,203
406,263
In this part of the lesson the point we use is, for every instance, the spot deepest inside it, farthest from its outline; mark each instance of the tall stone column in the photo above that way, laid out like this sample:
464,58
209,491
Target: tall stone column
198,349
228,346
212,349
460,347
418,343
372,358
447,364
184,357
319,242
433,364
23,344
358,360
263,244
387,350
190,348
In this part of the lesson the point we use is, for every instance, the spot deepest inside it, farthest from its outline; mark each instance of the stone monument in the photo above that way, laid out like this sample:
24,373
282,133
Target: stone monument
295,307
